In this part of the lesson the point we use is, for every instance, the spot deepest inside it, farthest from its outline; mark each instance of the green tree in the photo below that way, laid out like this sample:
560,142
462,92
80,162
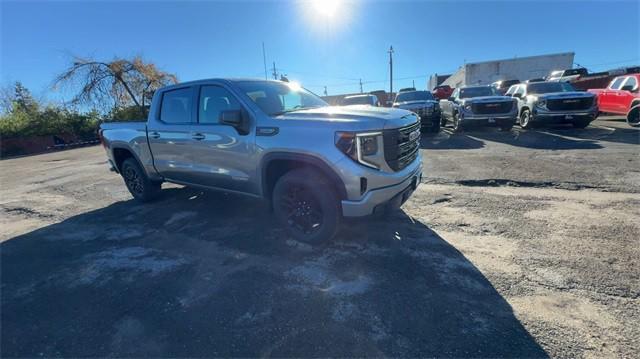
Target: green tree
23,100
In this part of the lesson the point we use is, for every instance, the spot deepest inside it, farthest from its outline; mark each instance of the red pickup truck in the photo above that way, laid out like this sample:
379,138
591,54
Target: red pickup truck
442,92
621,97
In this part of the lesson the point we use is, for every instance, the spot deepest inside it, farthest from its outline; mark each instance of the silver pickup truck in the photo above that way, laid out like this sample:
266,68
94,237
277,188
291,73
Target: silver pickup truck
552,103
272,140
478,105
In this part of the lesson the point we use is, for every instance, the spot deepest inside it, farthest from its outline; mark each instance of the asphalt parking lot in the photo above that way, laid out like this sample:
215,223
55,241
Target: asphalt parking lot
520,244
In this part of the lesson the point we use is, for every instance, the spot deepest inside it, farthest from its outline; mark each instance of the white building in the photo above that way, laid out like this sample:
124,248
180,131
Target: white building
519,68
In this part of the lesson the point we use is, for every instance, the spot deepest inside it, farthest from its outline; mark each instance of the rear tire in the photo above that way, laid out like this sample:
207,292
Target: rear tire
307,206
457,126
525,119
139,185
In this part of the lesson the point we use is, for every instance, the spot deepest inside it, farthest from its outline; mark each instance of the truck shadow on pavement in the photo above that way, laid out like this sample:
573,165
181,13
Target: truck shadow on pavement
206,274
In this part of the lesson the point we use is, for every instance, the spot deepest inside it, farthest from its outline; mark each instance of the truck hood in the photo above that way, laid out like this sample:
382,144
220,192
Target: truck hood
414,104
359,117
484,99
561,95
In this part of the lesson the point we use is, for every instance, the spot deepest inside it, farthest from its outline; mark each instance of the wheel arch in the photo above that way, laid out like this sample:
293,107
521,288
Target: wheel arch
121,153
274,165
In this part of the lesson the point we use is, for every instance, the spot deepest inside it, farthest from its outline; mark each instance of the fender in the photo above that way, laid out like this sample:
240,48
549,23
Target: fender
135,156
318,163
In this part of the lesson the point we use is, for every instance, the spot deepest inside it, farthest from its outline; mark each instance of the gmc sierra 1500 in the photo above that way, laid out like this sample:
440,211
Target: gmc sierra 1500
272,140
553,102
478,105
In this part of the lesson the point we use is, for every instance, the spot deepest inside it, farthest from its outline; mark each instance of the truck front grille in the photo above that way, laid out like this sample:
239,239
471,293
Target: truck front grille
399,149
570,104
423,111
489,108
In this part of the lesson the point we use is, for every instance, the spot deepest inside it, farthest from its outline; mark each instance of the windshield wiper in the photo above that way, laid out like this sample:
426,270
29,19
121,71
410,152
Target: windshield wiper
294,110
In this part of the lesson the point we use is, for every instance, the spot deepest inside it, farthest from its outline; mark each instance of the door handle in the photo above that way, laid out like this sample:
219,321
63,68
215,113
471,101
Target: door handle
154,134
198,136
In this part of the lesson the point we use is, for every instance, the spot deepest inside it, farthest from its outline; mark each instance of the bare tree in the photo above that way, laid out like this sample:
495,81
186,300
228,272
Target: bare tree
116,84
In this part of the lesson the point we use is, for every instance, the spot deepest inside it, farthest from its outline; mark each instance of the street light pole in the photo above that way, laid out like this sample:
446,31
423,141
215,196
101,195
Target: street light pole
390,70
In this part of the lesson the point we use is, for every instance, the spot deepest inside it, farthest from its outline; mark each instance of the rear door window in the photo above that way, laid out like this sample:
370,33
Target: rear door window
176,106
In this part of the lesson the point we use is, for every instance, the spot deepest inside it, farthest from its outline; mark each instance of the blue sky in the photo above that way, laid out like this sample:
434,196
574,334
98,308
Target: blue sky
224,39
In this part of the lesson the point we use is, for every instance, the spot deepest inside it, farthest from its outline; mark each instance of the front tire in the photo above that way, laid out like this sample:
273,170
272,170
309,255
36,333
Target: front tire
633,117
525,119
139,185
307,206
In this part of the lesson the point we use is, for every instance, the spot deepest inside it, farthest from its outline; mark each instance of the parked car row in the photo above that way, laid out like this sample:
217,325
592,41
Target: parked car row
527,104
530,103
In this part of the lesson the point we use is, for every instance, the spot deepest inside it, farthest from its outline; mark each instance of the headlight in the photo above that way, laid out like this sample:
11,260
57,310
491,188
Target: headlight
364,148
467,107
541,103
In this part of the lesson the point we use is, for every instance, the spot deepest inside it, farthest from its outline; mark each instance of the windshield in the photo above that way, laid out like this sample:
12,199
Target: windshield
470,92
546,87
357,100
414,96
276,98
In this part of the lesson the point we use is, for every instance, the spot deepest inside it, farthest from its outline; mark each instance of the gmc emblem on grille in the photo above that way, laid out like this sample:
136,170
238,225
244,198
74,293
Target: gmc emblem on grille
570,101
413,135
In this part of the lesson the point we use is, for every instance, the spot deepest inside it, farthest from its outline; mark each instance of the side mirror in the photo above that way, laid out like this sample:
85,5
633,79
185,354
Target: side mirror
627,88
231,117
236,119
518,95
452,99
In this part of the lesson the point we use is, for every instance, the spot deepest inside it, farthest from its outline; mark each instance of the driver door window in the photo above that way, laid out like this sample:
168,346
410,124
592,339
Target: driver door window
213,101
617,83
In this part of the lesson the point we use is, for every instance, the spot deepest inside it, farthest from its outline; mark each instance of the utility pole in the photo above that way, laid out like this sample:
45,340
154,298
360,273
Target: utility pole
264,60
390,70
360,85
414,83
325,91
275,73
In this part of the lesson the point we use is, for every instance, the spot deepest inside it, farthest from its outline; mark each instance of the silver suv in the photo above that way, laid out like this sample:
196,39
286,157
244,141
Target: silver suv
272,140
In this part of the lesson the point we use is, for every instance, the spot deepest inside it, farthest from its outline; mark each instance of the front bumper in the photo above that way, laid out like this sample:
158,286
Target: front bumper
501,119
540,115
430,120
393,195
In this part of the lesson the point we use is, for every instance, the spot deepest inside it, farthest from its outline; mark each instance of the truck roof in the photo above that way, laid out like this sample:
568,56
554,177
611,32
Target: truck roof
220,79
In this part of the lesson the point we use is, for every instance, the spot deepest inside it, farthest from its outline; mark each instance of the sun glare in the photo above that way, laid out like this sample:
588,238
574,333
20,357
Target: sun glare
327,16
327,8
